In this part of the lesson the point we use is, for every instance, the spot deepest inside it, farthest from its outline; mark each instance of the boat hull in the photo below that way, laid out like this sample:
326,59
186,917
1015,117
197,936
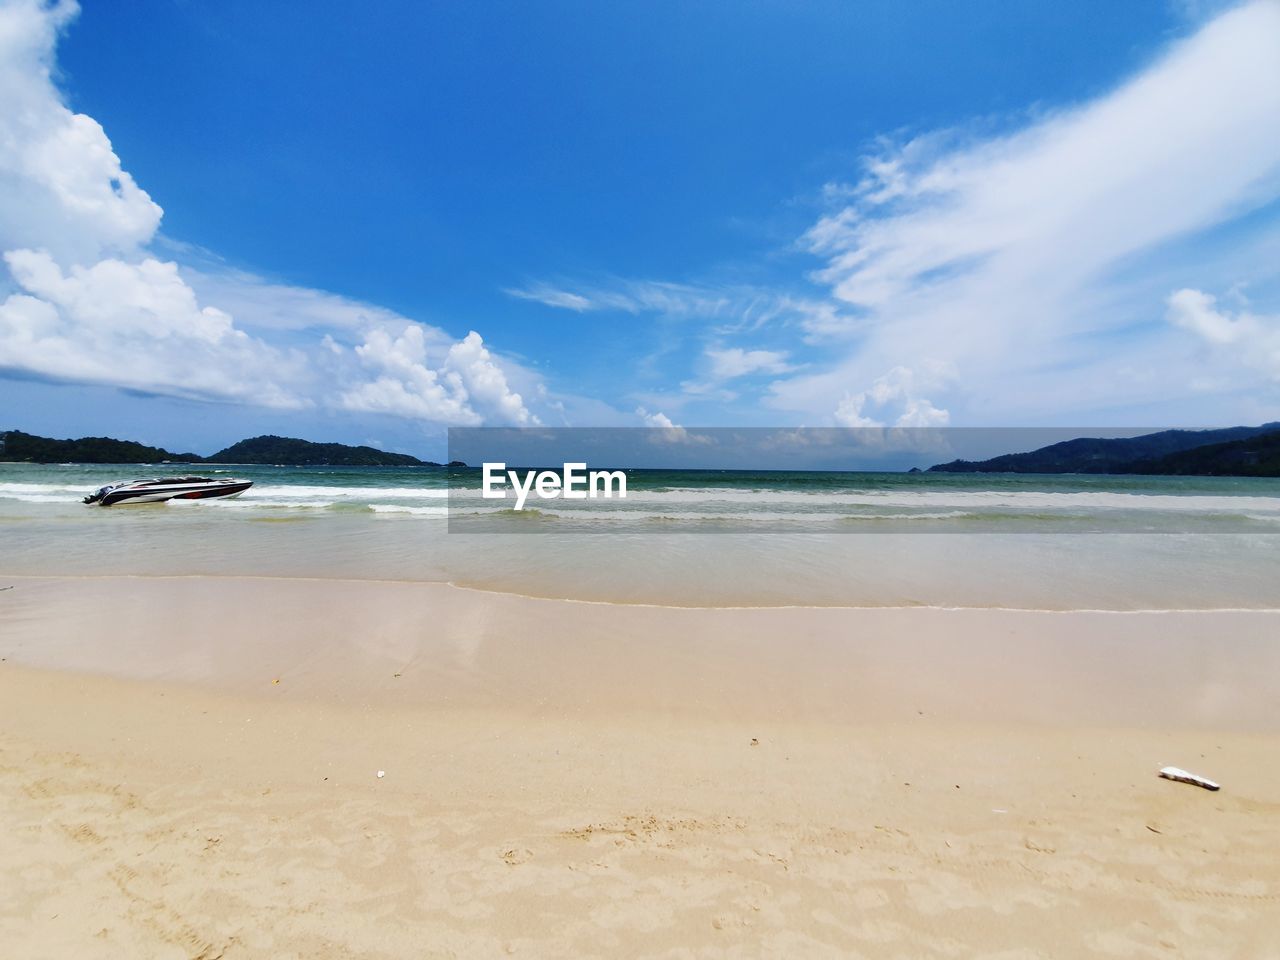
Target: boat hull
158,491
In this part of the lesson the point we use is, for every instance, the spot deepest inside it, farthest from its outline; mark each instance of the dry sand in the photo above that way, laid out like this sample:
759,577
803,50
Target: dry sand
188,769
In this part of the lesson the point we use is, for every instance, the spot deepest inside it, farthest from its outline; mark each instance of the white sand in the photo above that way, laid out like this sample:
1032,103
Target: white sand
581,780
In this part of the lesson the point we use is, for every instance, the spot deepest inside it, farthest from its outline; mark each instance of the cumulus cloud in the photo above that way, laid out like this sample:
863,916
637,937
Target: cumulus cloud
137,326
486,384
89,305
664,431
62,187
895,397
656,419
1035,259
89,302
467,389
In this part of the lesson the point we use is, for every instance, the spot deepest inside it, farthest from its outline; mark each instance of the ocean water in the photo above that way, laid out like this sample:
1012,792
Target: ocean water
716,538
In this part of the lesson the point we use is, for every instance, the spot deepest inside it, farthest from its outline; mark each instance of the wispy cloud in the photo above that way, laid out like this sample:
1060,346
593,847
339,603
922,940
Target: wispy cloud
732,308
632,296
1035,263
551,297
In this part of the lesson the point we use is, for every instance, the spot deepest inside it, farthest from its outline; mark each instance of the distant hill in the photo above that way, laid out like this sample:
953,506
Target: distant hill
1120,455
1253,457
25,447
304,453
16,446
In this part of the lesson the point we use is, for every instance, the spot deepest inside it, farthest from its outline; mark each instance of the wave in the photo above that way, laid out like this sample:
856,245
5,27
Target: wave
42,492
762,517
293,492
392,508
968,498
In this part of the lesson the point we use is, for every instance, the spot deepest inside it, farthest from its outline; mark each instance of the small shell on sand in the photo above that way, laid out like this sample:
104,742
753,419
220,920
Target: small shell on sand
1182,776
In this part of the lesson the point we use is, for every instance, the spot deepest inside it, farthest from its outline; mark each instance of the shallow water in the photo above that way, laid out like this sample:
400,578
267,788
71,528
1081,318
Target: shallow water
1076,542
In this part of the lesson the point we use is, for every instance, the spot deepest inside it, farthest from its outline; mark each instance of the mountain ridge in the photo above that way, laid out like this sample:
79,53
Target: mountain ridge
19,447
1125,455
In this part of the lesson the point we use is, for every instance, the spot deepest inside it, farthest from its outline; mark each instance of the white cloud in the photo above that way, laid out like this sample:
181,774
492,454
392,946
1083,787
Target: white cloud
467,389
404,384
486,384
267,305
551,297
1036,261
664,431
656,419
895,396
730,362
90,303
136,326
702,301
1251,339
738,308
62,188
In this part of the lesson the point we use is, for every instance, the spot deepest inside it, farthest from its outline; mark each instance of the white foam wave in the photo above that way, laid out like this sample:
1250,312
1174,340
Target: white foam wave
754,517
292,492
968,499
390,508
241,504
22,491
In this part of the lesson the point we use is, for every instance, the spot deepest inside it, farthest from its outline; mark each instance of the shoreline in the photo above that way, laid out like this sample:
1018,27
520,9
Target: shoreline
640,604
404,642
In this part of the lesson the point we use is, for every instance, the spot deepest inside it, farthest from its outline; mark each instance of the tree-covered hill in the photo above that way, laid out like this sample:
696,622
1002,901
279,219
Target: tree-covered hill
16,446
1253,457
26,447
1094,455
304,453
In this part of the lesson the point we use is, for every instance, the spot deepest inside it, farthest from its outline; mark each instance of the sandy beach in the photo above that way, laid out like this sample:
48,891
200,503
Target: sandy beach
650,481
190,769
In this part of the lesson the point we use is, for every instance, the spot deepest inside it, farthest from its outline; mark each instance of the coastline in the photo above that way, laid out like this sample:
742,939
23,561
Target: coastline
596,780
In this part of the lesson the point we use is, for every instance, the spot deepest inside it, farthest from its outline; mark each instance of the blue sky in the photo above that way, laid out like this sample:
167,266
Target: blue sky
222,219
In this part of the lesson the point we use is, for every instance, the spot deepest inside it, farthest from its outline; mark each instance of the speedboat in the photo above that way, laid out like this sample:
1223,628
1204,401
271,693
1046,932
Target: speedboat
167,488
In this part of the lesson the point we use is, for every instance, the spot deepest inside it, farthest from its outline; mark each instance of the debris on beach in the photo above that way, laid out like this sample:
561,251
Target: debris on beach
381,774
1183,776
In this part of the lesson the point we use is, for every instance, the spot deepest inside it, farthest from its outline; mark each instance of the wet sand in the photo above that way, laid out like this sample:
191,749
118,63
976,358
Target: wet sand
188,769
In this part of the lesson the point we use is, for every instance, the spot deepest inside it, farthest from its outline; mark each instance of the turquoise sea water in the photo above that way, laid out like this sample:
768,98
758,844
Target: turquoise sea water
782,537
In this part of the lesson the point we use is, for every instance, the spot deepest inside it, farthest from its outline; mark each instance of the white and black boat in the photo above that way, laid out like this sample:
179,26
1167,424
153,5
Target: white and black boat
167,488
